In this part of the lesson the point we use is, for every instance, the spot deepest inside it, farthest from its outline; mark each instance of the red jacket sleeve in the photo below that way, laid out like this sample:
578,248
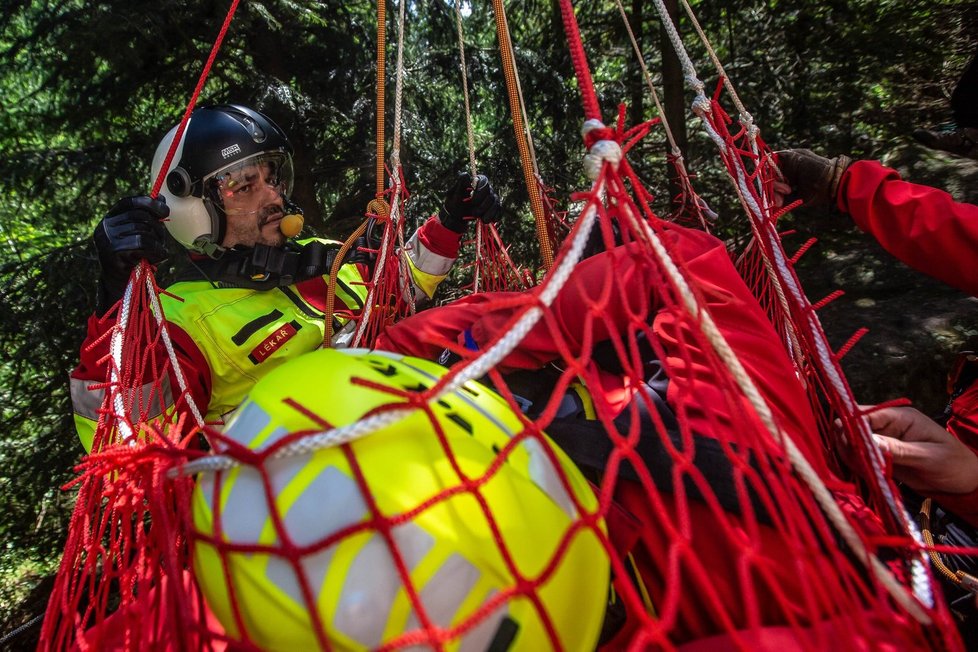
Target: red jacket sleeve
428,333
610,291
926,229
439,238
922,226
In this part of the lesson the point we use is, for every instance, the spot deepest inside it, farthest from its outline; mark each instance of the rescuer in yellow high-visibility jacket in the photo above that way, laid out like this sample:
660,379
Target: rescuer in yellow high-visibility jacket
251,297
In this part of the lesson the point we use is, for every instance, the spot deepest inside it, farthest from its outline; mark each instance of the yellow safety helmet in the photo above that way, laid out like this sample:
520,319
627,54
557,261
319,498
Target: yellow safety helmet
307,533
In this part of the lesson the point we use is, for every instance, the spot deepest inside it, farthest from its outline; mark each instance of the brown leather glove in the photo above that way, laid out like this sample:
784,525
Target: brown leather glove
815,179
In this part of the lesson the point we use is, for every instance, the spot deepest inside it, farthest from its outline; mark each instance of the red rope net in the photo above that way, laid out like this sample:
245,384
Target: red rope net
636,453
387,300
493,269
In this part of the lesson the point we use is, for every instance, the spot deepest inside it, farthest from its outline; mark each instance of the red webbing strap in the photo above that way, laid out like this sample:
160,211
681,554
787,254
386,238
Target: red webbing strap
588,97
193,100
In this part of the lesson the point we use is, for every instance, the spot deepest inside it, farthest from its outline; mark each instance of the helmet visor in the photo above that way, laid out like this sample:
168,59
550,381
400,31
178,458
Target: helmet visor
237,183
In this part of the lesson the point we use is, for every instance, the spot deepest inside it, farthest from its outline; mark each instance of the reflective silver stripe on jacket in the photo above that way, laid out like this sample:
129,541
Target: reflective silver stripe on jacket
86,402
426,260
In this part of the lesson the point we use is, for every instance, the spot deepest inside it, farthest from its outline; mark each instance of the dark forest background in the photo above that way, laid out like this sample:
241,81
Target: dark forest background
89,87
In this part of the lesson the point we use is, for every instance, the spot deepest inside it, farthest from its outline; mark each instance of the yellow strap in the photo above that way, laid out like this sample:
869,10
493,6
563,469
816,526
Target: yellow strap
587,403
646,598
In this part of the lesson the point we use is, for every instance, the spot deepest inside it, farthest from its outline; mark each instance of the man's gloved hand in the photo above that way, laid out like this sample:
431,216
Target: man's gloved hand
131,231
462,202
813,178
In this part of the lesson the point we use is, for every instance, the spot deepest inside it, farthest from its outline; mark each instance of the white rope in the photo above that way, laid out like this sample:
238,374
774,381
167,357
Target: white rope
116,344
757,217
701,107
744,117
465,88
394,217
677,153
115,348
396,206
398,88
390,229
700,102
673,147
157,311
473,170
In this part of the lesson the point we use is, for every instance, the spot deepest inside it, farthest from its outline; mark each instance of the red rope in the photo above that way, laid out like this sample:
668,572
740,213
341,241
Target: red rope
588,97
193,100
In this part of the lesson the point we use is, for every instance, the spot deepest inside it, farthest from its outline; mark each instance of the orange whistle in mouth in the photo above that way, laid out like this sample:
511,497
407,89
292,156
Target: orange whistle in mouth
291,225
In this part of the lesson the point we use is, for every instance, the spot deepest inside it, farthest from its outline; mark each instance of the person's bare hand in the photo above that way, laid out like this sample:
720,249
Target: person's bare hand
925,456
781,192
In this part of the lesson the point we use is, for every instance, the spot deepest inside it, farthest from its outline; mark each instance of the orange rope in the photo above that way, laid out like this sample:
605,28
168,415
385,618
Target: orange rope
529,176
377,206
331,285
381,73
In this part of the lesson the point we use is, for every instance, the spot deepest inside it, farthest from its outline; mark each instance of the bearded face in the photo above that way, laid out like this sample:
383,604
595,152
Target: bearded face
252,195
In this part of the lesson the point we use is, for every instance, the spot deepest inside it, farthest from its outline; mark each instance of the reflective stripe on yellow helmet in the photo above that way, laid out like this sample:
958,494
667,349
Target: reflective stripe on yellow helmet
423,500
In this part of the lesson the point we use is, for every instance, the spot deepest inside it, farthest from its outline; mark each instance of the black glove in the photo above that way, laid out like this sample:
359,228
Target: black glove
130,232
815,179
461,203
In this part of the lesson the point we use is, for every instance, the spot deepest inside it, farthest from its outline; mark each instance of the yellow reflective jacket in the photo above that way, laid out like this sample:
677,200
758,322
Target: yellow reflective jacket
227,338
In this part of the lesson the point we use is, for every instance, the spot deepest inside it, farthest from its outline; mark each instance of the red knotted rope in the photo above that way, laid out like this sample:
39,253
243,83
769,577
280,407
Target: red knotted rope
592,111
193,100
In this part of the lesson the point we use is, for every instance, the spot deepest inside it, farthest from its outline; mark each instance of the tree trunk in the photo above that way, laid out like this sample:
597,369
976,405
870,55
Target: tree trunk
673,96
636,81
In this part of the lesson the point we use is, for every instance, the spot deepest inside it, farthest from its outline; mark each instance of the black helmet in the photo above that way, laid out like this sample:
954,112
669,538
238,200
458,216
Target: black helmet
217,139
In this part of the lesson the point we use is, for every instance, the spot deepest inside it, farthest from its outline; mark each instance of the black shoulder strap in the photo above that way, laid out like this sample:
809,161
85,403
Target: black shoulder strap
587,443
589,446
265,268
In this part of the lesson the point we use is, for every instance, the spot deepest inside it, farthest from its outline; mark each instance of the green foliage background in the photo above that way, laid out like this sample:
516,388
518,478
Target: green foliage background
90,87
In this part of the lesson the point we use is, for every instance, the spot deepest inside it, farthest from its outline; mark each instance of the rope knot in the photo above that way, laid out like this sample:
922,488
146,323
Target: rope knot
380,208
602,144
702,105
594,130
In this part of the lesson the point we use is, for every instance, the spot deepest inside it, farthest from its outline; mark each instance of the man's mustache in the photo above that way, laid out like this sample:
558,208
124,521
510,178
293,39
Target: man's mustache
268,213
